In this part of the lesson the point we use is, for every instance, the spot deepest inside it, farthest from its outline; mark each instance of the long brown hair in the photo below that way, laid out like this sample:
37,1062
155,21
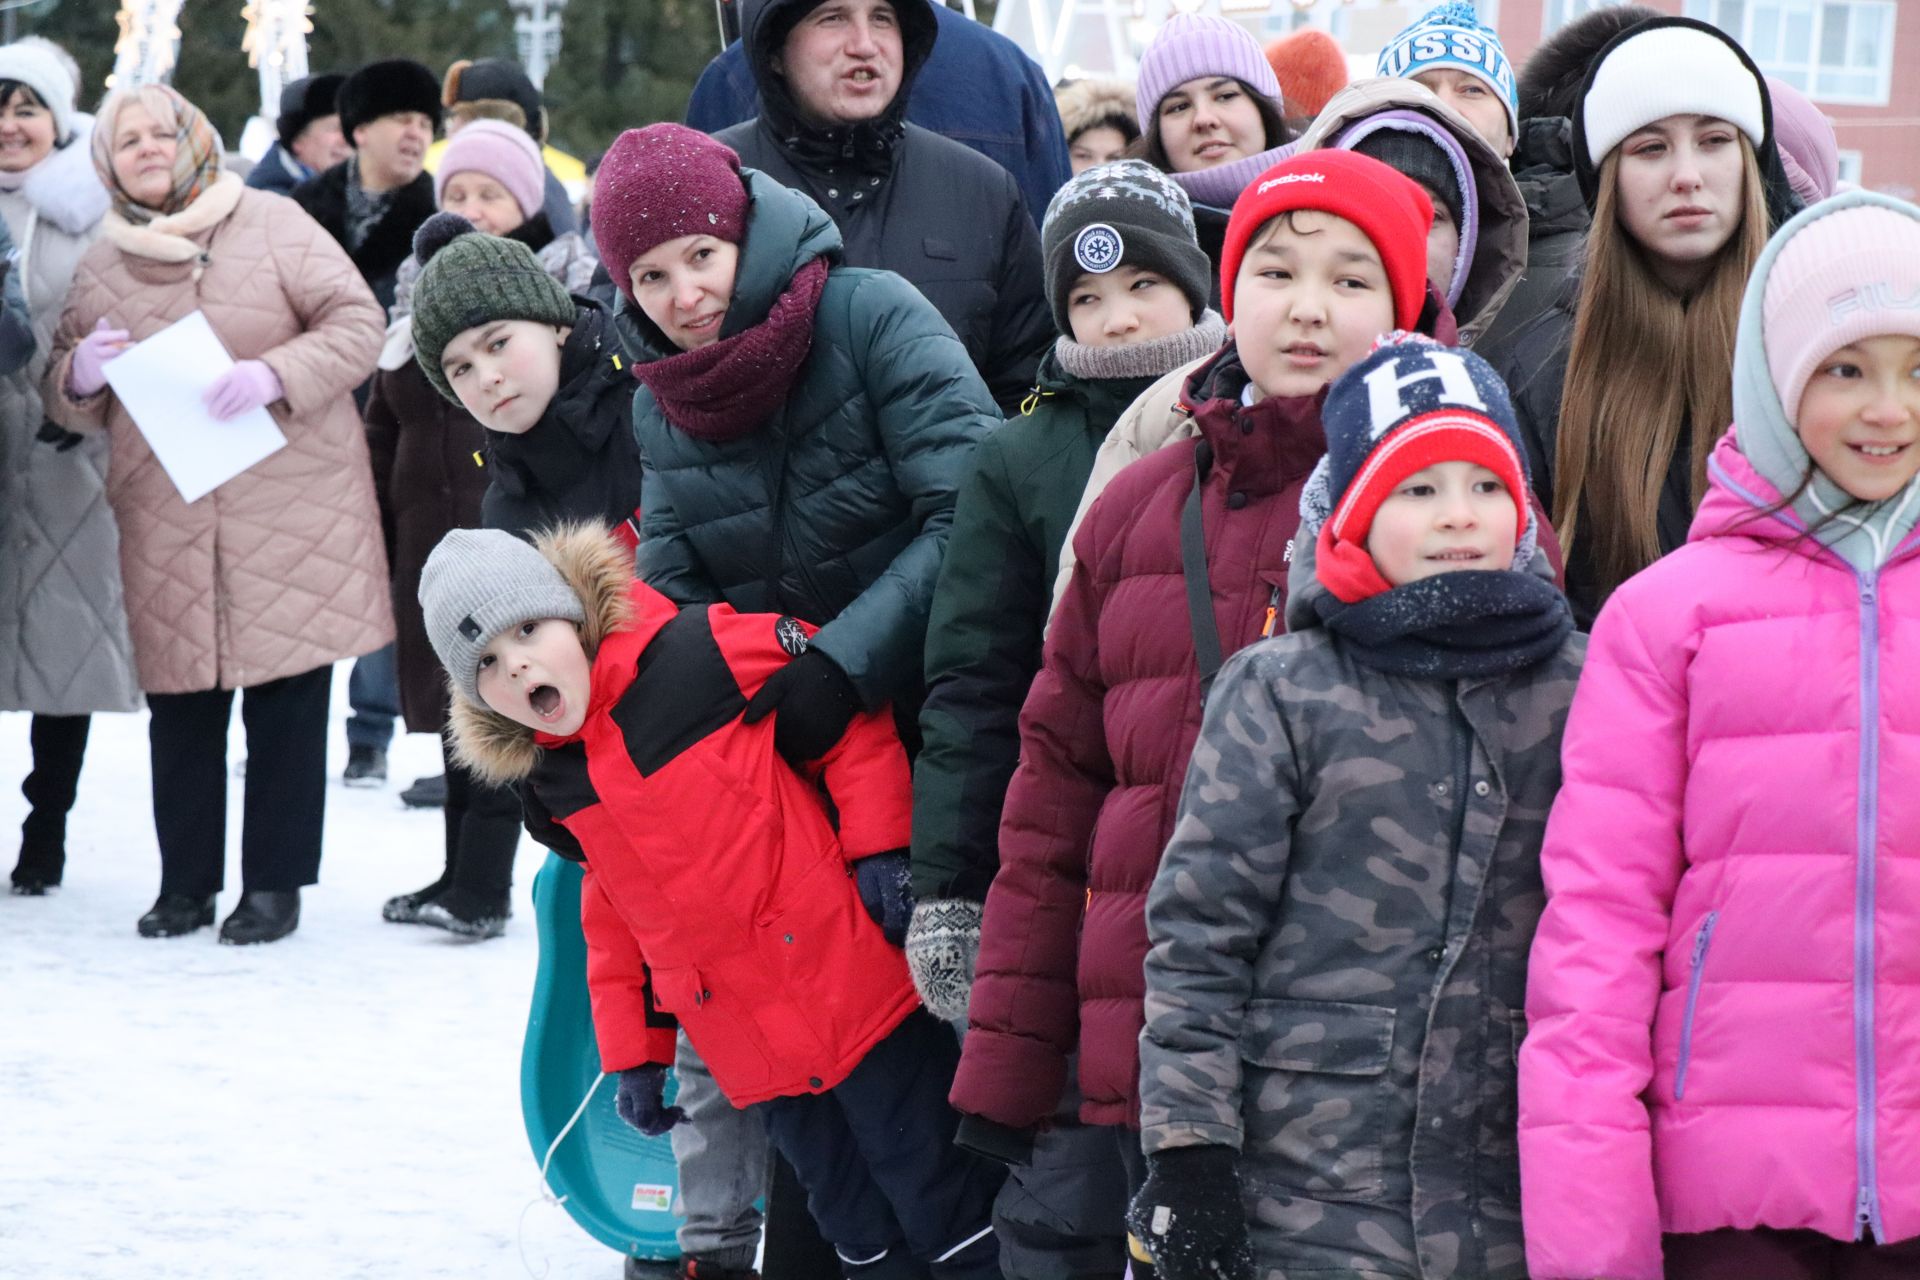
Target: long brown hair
1644,361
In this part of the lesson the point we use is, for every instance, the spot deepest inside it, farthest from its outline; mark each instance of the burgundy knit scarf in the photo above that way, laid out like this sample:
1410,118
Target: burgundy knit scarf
730,388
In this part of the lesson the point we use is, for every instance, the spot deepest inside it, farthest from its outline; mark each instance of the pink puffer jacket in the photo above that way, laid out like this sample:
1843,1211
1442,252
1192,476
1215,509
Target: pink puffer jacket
1724,995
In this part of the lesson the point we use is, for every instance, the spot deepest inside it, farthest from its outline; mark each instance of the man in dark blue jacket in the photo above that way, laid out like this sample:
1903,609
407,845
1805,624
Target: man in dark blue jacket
978,88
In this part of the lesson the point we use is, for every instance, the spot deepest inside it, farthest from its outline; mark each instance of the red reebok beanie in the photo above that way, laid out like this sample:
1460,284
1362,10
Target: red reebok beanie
1392,210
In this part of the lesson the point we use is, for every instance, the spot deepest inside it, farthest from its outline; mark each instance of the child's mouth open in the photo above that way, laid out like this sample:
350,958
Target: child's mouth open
545,701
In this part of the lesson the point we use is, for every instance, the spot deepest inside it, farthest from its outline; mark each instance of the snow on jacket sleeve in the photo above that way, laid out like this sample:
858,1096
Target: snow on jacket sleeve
1214,899
930,407
1024,1018
665,559
1611,862
630,1029
341,326
865,772
983,648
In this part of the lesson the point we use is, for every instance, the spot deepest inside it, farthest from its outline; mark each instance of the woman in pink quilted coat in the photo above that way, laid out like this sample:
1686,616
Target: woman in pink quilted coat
1722,1072
262,584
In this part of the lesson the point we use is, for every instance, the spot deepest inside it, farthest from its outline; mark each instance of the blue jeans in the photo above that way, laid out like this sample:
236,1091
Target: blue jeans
373,691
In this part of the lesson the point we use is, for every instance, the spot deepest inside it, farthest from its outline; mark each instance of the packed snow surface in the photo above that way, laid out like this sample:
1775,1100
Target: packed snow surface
344,1103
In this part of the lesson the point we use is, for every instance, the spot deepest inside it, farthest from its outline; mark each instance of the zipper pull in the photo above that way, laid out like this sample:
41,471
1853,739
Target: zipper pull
1700,942
1273,613
1865,1214
1867,588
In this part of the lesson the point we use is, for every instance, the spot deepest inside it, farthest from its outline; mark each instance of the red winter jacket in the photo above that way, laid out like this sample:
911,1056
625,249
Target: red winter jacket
716,890
1105,735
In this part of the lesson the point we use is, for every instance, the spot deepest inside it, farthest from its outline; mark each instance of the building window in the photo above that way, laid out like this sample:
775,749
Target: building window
1556,14
1830,50
1850,167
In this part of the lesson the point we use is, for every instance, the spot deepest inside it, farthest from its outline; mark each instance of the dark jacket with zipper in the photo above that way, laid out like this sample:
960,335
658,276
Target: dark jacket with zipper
1340,930
989,611
1104,738
324,197
1557,218
836,509
910,201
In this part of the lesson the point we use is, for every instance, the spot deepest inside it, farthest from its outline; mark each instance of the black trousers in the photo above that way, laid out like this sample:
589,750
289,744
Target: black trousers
483,832
884,1180
59,745
286,789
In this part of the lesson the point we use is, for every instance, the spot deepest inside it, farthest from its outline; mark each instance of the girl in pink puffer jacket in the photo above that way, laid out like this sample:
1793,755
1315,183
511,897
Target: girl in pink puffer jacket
1722,1072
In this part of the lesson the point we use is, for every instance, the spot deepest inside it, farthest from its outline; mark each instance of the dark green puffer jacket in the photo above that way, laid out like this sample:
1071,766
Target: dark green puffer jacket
837,509
983,643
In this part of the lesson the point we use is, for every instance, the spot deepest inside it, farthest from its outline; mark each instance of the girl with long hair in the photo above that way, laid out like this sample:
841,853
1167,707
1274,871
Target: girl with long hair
1622,385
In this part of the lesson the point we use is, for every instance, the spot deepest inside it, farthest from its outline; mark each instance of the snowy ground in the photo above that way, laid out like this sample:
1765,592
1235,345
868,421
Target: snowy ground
341,1104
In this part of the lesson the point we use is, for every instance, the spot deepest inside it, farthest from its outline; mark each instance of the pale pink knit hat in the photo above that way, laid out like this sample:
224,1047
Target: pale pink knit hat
502,152
1191,45
1852,274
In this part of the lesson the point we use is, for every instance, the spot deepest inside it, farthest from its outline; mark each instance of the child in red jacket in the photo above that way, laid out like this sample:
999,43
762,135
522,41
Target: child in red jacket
718,893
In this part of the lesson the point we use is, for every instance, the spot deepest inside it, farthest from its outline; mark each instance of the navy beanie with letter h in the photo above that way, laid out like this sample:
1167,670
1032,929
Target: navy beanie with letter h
1411,404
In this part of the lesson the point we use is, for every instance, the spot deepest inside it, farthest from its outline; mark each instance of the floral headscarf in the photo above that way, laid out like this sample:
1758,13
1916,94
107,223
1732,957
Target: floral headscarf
196,164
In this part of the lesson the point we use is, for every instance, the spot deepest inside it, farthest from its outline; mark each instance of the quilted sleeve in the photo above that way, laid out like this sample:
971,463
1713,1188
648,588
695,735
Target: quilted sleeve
1612,862
87,302
341,325
1025,1011
630,1028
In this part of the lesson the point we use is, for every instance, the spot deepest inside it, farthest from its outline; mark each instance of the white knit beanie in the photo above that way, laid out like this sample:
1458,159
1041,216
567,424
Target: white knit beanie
50,81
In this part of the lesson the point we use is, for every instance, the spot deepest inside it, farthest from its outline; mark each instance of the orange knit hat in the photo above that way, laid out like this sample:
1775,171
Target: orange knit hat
1311,67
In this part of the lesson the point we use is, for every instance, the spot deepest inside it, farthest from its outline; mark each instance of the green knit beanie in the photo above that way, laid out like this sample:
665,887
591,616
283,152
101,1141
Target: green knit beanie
467,279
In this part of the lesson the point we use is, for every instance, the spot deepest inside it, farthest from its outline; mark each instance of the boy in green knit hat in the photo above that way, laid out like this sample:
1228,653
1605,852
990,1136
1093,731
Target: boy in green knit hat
540,369
1128,285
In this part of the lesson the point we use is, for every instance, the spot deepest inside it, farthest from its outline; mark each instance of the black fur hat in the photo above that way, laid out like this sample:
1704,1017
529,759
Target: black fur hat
303,102
1551,79
388,88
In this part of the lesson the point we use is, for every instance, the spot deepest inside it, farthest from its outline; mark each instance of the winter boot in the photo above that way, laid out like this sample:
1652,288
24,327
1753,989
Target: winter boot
59,745
176,914
429,792
366,767
404,908
264,915
686,1269
466,915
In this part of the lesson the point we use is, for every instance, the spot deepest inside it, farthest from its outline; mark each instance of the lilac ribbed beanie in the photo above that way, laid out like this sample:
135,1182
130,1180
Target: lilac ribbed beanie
1191,45
1852,275
501,152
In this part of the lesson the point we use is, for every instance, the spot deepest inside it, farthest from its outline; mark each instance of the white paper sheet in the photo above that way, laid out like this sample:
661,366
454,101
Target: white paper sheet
162,380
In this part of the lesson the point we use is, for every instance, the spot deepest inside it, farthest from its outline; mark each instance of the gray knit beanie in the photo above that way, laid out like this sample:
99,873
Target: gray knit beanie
1126,213
468,278
476,584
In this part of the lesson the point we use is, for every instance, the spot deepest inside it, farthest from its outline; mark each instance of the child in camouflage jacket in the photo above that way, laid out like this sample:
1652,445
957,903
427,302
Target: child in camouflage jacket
1340,927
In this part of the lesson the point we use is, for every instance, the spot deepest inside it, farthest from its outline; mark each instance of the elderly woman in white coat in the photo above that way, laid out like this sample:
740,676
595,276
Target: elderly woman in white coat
64,652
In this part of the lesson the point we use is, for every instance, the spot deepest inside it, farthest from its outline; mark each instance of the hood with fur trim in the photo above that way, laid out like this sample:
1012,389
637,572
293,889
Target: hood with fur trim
600,571
1085,104
64,189
1500,254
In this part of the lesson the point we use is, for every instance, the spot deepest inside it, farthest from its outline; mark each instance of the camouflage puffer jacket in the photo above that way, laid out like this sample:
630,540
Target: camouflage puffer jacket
1339,936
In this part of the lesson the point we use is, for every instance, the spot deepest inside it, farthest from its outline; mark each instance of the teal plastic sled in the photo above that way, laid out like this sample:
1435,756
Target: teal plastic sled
618,1184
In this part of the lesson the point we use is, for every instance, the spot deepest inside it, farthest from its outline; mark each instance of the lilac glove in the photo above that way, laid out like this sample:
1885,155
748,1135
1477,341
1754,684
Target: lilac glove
87,375
248,385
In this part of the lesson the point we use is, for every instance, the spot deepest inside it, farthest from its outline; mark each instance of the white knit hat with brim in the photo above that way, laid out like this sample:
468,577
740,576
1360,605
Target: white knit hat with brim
1668,69
51,82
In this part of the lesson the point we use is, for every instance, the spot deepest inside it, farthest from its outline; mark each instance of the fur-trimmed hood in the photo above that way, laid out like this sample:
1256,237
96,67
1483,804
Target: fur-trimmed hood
600,571
1084,104
64,189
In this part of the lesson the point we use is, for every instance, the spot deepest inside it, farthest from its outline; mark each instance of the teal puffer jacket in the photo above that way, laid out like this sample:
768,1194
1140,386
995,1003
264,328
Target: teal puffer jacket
837,509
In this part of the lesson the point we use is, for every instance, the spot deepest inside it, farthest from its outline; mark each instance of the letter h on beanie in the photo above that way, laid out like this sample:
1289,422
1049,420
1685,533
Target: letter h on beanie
1409,405
1126,213
478,583
1388,207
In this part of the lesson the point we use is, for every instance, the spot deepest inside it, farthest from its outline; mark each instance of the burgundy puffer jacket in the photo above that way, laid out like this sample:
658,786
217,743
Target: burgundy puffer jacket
1105,736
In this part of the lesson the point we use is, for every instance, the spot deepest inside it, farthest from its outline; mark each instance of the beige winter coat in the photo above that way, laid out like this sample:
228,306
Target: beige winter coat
281,569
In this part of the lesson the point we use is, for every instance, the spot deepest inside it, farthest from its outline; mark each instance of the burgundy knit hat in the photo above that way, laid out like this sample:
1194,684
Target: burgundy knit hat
660,183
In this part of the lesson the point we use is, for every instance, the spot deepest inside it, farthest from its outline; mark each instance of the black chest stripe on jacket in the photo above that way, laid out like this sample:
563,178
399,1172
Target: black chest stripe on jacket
558,788
682,691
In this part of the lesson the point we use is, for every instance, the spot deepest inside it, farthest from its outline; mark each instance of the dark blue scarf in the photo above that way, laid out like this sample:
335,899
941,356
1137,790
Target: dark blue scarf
1453,626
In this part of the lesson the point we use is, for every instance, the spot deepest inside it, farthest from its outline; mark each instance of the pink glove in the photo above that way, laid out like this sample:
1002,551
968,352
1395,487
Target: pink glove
88,372
248,385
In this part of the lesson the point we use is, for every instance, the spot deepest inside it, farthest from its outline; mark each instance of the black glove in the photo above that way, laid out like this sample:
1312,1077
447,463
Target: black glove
59,437
882,878
995,1141
1190,1217
815,701
641,1101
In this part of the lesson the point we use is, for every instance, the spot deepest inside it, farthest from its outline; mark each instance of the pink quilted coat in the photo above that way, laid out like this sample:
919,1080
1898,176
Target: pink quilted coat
282,569
1724,993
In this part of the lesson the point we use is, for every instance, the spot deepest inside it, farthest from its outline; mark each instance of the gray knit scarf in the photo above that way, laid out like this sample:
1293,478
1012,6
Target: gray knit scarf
1149,359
